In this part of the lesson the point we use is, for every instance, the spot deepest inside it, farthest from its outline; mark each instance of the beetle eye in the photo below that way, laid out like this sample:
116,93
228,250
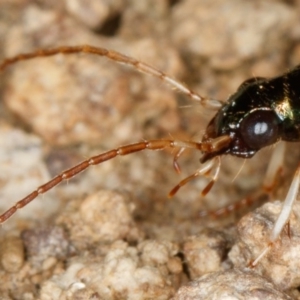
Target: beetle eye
260,128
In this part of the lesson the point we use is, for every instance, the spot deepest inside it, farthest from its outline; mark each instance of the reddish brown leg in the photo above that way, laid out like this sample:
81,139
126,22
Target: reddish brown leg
273,171
288,229
274,168
239,205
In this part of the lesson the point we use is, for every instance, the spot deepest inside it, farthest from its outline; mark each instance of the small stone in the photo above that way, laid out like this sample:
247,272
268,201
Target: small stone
204,252
230,285
12,254
44,245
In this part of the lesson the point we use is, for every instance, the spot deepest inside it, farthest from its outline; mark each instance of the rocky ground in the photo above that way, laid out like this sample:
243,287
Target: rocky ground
112,232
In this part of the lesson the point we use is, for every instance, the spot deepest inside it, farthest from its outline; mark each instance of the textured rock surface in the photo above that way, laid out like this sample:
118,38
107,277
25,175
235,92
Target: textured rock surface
120,271
281,263
205,252
111,232
234,285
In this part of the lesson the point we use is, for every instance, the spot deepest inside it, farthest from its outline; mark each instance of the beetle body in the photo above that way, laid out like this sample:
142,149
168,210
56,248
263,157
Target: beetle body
260,113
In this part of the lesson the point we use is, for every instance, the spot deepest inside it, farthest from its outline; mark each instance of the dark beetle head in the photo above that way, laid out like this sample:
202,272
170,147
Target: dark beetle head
249,117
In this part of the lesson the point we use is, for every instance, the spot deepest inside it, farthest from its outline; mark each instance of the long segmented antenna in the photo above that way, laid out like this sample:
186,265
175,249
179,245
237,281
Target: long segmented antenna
98,159
208,146
120,58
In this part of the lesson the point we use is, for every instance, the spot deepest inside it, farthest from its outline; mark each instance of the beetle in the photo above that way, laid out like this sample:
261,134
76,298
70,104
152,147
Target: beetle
260,113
